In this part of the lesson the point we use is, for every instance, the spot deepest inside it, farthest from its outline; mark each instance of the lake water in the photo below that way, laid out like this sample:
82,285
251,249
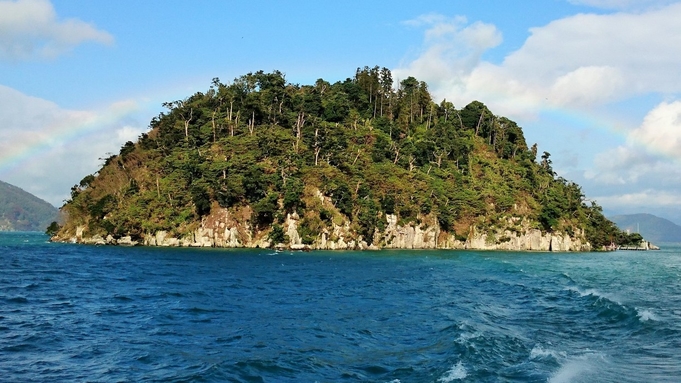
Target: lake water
111,314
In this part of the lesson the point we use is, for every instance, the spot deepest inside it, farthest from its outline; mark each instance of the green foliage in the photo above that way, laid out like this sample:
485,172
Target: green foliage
128,148
53,229
277,235
104,205
368,219
201,199
309,229
254,183
265,209
632,239
86,181
342,198
293,192
371,149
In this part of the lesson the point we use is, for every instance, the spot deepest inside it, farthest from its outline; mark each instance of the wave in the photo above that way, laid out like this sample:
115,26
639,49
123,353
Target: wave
464,337
540,353
457,372
577,369
31,286
611,307
16,300
591,292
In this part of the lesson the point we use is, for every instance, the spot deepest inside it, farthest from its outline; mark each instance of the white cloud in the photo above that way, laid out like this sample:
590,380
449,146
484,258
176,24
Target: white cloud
45,149
30,29
581,61
622,4
451,51
650,154
584,65
587,85
661,130
647,198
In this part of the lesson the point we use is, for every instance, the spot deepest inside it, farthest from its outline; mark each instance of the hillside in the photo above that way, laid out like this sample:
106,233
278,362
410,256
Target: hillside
353,164
652,228
22,211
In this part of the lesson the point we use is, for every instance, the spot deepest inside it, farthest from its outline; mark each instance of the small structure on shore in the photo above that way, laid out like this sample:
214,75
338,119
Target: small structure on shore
643,246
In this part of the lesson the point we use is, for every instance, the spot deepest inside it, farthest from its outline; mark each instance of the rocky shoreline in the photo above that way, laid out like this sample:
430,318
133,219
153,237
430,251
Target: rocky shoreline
221,229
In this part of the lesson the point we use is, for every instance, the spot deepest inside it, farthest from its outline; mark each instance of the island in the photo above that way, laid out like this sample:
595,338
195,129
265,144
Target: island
364,163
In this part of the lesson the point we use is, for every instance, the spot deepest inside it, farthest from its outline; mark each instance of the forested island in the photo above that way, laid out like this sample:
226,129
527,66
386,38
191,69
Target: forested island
358,164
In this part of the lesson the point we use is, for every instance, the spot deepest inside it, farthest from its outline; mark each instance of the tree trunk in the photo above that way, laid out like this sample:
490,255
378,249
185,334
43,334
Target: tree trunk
251,124
186,124
213,121
477,127
317,149
460,120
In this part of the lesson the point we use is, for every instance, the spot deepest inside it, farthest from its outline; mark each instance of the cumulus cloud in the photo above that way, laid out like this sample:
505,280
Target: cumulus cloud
31,29
581,61
661,130
650,155
451,50
45,149
583,64
588,85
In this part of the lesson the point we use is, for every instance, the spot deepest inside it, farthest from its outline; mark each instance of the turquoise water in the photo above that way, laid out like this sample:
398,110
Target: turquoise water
109,314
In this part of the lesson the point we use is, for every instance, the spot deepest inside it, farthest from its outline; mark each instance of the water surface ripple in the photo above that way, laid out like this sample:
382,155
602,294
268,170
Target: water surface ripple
110,314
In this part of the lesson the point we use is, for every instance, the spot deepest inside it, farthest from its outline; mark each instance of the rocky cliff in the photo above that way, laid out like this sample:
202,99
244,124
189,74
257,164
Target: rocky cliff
227,229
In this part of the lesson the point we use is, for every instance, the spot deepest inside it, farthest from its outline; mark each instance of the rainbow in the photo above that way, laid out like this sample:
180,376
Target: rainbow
68,128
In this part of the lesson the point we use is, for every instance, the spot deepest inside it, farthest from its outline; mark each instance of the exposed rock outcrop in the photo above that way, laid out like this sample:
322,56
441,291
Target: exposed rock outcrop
232,230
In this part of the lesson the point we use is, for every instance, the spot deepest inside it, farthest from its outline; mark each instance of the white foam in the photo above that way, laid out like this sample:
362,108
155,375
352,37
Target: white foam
585,293
457,372
538,352
577,367
569,371
593,293
465,337
646,315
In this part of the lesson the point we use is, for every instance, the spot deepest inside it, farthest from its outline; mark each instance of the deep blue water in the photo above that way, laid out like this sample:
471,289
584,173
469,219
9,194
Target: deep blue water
109,314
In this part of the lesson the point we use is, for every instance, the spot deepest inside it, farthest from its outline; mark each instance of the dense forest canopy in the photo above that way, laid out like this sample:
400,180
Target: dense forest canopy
373,146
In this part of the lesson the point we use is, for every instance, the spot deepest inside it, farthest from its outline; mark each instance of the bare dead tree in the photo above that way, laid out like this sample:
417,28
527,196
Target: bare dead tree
300,122
396,150
251,124
477,127
186,123
357,156
317,148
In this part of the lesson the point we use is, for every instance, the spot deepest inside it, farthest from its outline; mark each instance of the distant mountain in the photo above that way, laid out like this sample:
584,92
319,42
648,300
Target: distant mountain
652,228
22,211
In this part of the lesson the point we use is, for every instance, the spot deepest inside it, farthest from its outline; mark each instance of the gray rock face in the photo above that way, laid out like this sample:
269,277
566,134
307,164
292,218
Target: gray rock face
395,236
226,229
409,237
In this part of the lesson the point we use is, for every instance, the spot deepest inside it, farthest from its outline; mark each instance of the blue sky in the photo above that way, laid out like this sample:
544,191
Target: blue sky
594,82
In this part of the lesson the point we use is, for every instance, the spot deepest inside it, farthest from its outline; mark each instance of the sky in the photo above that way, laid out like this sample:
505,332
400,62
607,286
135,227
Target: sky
595,83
